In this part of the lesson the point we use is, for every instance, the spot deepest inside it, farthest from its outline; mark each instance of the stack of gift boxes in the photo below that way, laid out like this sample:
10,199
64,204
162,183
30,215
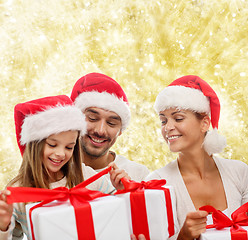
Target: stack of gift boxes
142,208
147,208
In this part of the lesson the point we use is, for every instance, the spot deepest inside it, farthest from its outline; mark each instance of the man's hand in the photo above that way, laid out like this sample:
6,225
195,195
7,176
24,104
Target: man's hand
116,175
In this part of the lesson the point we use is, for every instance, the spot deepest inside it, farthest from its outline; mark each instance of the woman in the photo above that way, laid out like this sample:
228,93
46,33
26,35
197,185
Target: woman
187,108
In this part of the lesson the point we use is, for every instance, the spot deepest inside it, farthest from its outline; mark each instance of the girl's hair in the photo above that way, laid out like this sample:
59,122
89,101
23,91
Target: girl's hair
33,173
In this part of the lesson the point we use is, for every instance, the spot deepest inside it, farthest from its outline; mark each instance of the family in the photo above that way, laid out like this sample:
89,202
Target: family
66,140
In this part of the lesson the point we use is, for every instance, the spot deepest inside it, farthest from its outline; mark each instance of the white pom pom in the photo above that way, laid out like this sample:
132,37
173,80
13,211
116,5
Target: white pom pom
214,142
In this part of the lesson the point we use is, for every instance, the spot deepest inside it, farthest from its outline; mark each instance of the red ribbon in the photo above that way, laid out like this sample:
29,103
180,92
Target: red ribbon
238,218
79,197
138,206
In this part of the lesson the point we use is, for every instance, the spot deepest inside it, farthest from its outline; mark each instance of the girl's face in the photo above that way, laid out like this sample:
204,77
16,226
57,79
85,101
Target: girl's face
58,150
182,130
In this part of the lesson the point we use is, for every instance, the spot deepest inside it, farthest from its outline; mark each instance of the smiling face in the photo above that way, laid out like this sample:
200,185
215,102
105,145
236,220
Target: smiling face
58,150
103,128
182,130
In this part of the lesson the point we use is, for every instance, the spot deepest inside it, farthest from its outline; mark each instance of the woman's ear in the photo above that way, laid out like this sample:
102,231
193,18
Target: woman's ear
205,123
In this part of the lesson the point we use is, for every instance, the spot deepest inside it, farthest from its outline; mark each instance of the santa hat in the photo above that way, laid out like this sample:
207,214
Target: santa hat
38,119
99,90
192,93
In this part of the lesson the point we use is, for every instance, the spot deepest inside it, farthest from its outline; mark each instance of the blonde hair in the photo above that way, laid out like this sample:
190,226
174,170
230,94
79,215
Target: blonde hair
33,173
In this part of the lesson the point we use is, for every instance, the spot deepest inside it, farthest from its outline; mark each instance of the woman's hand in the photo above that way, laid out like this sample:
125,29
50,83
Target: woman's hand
140,237
116,175
194,224
6,210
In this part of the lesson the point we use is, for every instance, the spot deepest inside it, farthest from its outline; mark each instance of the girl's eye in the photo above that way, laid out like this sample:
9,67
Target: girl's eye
51,145
69,148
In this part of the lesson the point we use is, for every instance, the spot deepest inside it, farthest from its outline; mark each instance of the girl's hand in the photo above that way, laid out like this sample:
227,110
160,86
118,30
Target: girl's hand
140,237
6,210
194,224
116,175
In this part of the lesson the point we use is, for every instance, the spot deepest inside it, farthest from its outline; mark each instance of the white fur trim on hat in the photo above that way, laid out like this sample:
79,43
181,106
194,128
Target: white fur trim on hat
54,120
106,101
182,97
214,142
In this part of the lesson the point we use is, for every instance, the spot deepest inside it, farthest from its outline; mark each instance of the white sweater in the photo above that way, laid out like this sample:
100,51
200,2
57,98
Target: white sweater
234,175
136,171
18,224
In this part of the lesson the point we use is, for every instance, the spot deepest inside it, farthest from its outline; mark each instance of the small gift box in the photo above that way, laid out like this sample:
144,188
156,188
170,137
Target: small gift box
76,213
224,228
151,208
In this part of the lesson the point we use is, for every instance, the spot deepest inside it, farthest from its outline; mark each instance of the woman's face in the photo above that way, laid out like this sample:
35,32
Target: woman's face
58,150
182,130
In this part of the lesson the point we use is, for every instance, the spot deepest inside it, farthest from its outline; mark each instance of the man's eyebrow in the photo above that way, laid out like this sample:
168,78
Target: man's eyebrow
92,111
96,112
115,118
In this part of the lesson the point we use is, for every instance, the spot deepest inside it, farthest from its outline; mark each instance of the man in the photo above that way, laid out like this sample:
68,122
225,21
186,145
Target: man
107,112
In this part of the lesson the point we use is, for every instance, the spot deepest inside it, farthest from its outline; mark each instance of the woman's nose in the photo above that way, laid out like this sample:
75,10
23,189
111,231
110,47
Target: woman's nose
169,125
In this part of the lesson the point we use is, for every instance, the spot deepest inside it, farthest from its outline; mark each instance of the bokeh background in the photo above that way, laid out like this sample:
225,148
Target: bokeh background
46,45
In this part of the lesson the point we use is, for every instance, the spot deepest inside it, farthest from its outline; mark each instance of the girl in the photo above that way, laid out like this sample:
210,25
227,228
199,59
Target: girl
186,109
47,132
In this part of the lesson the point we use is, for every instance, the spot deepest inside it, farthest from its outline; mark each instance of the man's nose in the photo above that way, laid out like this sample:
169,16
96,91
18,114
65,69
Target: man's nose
101,127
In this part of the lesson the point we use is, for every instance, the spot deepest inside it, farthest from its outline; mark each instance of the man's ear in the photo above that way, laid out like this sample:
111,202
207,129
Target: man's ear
206,123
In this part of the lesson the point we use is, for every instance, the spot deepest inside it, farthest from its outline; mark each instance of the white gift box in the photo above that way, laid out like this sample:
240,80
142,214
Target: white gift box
156,212
223,234
57,220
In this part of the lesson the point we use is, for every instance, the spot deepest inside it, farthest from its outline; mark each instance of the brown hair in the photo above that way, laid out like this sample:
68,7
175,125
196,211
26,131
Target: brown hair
200,116
33,173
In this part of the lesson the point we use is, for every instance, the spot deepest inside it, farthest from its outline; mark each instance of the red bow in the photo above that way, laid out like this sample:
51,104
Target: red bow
132,186
238,218
77,195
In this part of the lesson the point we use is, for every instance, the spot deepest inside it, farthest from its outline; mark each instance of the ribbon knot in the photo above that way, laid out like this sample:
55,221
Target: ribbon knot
220,220
132,186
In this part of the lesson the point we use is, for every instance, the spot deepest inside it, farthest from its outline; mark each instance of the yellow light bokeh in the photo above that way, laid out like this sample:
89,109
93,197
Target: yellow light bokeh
46,46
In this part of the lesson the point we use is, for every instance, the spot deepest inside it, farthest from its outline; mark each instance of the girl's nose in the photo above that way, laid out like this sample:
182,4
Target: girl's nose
60,153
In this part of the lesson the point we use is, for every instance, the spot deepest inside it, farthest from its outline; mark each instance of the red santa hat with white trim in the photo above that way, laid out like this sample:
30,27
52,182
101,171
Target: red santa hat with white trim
99,90
192,93
38,119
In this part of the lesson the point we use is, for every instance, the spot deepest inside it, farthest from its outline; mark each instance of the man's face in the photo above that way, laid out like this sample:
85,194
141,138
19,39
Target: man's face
103,128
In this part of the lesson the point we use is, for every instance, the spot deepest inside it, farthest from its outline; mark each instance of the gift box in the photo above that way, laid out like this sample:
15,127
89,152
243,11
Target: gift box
224,234
56,220
223,227
70,214
151,208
